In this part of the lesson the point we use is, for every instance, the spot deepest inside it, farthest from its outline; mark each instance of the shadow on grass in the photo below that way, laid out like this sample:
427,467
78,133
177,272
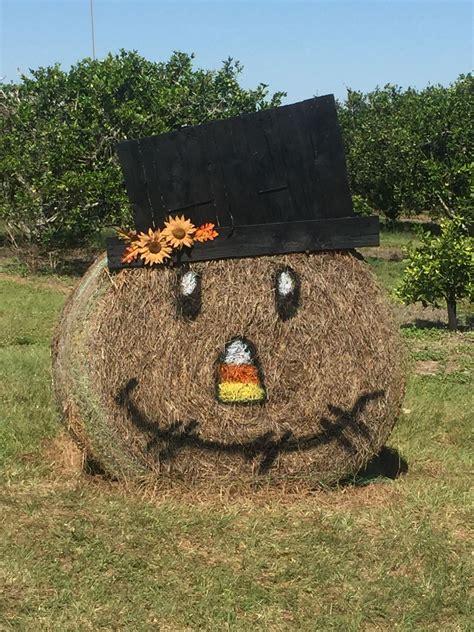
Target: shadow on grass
76,267
92,467
388,463
421,323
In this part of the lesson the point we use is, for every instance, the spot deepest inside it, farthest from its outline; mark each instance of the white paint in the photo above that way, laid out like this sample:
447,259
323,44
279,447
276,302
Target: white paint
188,282
238,353
285,283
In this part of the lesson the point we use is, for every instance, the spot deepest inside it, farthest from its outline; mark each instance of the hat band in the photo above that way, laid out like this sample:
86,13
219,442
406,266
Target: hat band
254,240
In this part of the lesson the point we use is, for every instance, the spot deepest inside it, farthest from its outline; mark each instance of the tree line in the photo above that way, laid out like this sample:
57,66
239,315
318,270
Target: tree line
411,151
408,151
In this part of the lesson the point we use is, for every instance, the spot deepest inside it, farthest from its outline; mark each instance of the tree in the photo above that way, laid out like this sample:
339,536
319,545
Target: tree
442,268
410,151
60,181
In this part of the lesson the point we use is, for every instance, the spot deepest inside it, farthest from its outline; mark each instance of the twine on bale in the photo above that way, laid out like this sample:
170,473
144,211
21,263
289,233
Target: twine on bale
137,382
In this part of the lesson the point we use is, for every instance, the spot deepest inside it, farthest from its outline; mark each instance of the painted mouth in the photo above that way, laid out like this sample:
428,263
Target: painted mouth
341,426
239,379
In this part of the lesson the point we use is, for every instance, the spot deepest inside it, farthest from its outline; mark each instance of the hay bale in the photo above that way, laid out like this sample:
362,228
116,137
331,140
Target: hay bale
146,373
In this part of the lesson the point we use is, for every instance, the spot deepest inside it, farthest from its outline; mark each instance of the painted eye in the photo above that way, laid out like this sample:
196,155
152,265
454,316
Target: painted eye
189,295
287,292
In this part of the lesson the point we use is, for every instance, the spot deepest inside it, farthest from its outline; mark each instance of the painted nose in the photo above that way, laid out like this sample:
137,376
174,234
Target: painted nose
239,376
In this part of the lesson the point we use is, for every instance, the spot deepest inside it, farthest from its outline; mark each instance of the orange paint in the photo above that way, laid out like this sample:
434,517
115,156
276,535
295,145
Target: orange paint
243,373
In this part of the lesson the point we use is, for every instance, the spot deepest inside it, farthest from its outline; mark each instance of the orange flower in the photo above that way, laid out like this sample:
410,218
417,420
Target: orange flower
206,232
179,232
131,253
153,247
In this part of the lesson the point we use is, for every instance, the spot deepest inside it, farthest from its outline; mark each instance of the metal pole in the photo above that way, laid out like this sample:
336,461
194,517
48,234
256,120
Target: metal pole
92,30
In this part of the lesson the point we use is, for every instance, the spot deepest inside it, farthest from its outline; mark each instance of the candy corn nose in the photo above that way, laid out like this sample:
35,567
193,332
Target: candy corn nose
239,379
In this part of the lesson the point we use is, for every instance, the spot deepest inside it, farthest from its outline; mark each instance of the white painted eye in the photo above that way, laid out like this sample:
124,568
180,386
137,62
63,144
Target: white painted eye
287,292
188,294
285,283
188,283
238,352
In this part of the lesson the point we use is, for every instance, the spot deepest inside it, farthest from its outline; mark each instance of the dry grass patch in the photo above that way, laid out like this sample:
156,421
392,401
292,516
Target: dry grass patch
64,457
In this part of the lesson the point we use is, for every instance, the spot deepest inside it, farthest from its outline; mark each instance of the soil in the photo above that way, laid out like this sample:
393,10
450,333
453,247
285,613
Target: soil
427,367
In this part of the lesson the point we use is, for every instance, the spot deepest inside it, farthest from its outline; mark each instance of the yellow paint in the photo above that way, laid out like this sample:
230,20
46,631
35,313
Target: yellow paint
239,392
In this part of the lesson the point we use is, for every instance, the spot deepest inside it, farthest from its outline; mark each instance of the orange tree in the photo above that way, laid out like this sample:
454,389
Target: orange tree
411,151
441,269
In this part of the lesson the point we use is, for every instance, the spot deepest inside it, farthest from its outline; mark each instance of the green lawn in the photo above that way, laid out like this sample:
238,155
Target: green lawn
397,238
82,554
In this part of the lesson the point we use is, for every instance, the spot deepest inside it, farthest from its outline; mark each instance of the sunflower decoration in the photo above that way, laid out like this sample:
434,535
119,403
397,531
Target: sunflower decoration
206,232
157,245
153,247
179,232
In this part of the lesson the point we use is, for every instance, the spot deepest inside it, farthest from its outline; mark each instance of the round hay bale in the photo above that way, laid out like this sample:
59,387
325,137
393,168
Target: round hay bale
279,367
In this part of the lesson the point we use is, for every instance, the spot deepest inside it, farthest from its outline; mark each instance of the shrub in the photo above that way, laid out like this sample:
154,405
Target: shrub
361,206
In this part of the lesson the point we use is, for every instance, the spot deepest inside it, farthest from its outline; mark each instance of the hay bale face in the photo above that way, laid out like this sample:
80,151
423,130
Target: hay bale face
282,366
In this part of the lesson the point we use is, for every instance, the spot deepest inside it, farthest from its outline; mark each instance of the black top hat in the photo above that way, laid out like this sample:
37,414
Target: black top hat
272,182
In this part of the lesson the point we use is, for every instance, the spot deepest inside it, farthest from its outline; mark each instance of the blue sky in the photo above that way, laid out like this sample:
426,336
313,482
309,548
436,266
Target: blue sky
306,48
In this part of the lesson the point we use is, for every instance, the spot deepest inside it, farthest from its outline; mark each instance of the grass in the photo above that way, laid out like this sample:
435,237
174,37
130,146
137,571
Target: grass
82,554
387,272
397,238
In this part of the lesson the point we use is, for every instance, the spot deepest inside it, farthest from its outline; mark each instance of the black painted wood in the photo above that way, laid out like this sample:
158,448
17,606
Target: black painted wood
279,165
329,159
298,158
219,191
274,203
272,239
151,175
132,166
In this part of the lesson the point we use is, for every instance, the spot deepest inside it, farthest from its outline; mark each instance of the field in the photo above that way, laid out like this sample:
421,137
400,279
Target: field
378,553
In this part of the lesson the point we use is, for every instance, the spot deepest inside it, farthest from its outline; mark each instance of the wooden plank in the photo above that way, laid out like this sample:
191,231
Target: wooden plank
266,162
150,170
273,239
216,178
177,176
298,157
331,181
245,185
197,200
169,169
232,156
131,162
